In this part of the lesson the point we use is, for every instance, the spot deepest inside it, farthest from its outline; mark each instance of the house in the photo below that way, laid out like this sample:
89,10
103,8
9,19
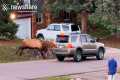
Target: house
29,20
26,25
25,12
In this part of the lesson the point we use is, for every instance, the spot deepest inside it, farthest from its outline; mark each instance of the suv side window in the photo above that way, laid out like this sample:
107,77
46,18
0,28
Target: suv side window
57,27
50,27
65,28
83,38
89,38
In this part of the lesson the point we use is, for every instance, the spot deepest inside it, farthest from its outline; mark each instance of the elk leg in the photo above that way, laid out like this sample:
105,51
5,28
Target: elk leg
34,52
18,50
43,54
21,52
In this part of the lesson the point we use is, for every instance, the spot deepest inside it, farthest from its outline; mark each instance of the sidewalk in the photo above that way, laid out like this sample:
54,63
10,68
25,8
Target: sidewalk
93,76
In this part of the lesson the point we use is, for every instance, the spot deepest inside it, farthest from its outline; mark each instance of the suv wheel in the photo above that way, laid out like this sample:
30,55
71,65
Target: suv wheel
84,57
78,56
60,57
40,36
100,54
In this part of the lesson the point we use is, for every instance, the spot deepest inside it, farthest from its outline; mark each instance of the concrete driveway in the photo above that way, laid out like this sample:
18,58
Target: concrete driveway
46,68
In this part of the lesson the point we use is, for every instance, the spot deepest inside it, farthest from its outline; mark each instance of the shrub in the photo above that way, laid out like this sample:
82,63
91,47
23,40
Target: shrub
99,27
7,30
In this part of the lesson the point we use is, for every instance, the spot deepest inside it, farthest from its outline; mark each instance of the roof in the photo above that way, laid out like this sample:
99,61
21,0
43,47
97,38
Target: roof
61,23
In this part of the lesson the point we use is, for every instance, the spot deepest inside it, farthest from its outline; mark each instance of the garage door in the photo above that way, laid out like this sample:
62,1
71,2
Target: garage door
24,29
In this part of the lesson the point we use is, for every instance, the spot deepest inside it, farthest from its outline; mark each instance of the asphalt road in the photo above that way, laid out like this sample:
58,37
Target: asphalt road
46,68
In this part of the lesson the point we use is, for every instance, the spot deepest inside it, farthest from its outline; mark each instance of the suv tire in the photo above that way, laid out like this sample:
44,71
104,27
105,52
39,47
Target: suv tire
100,54
40,36
84,57
78,56
60,57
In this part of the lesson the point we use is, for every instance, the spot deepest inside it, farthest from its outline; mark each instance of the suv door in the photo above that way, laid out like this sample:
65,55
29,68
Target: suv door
53,31
92,42
83,41
87,45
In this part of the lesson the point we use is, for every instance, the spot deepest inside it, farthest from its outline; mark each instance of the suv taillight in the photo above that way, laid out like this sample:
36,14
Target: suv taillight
69,45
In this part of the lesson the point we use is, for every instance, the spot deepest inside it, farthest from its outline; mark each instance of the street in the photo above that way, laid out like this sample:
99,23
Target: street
46,68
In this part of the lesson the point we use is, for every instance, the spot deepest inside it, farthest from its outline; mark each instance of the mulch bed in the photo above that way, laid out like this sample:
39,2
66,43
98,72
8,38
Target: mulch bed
112,41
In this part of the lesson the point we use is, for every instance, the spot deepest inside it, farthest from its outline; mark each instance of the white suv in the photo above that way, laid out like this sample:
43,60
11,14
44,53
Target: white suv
51,32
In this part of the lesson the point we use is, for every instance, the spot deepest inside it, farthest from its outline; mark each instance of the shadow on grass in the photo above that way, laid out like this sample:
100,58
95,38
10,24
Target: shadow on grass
54,78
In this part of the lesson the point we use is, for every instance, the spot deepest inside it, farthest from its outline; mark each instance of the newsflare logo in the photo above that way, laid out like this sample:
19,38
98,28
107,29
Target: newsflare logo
6,7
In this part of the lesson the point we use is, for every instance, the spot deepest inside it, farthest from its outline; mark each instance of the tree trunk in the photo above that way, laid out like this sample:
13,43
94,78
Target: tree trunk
48,18
84,21
0,12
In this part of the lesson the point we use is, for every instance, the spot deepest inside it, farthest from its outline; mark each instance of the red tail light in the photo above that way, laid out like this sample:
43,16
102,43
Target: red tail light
69,45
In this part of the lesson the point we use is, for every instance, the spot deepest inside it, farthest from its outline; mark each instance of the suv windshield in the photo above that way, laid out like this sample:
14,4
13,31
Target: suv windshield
62,38
74,28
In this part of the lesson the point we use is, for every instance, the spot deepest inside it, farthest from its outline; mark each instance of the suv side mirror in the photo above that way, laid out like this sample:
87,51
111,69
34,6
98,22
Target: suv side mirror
92,40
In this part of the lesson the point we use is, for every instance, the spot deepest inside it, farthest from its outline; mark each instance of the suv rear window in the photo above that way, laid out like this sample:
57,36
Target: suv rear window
62,38
74,38
74,28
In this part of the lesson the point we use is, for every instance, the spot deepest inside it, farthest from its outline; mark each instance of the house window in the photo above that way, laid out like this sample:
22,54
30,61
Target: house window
23,2
26,1
39,18
19,2
34,2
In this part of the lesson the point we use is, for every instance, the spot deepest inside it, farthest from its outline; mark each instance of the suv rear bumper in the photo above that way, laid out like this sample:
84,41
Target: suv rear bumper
64,51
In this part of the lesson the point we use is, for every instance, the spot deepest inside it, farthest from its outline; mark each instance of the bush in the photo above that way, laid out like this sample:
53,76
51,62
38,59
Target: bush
99,27
7,30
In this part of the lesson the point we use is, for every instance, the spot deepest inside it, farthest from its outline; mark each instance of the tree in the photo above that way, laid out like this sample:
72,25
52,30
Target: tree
84,7
109,10
7,27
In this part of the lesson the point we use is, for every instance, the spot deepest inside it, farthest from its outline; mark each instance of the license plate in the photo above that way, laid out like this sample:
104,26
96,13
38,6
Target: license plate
61,46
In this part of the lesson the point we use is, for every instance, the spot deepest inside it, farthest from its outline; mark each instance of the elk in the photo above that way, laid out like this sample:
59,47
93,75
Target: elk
42,47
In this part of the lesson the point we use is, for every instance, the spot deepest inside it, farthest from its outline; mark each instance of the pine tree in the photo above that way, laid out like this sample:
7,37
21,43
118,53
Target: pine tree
7,27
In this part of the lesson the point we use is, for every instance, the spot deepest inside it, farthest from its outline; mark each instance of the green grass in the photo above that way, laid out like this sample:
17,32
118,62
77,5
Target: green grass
55,78
119,71
8,50
7,54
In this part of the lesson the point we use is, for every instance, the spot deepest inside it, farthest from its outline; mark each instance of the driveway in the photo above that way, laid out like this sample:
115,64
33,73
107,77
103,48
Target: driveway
46,68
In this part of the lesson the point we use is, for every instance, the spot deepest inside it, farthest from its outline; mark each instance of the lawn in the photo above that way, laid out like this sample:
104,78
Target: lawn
55,78
8,52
